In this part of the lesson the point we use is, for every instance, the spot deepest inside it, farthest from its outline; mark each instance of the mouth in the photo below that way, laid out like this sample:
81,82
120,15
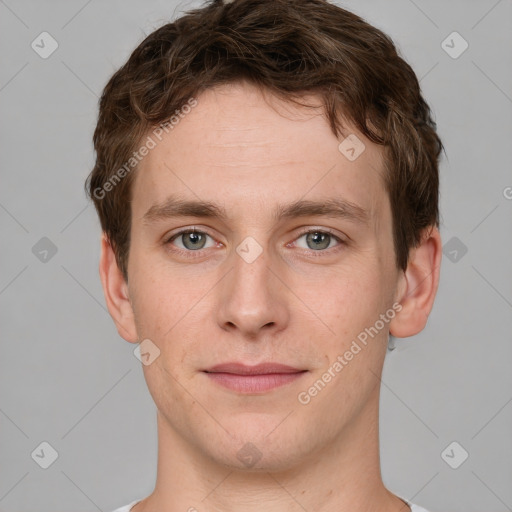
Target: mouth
253,379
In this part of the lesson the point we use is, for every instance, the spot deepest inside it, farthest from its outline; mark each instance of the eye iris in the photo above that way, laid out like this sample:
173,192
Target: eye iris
323,238
197,240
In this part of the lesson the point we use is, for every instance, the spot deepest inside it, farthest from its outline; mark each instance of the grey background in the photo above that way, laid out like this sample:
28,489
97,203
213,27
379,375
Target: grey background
67,378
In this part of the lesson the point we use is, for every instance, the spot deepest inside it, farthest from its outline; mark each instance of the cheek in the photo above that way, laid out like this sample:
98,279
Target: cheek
170,310
353,306
156,293
156,305
351,298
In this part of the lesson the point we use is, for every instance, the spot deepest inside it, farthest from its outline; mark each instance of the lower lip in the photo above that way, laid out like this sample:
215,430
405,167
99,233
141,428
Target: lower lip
253,383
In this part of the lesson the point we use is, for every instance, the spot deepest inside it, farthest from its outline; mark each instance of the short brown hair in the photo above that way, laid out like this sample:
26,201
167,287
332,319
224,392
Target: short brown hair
288,47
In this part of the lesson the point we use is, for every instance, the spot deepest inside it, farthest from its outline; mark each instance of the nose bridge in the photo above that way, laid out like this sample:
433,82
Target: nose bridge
252,298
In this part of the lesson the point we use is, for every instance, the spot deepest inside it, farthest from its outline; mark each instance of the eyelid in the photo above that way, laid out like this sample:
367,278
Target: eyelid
318,229
329,231
306,230
191,229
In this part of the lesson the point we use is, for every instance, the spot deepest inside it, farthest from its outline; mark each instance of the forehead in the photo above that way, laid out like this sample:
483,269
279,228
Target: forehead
252,151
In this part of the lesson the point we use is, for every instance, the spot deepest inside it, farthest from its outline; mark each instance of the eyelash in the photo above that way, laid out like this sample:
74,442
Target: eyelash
319,252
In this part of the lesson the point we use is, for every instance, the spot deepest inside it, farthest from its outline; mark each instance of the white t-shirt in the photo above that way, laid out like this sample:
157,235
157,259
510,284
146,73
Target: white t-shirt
414,508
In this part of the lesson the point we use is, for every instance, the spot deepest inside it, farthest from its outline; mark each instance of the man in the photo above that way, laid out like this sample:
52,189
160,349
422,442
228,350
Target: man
267,184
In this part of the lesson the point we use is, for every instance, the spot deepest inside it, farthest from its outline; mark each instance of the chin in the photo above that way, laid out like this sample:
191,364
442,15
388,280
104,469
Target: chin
258,449
258,460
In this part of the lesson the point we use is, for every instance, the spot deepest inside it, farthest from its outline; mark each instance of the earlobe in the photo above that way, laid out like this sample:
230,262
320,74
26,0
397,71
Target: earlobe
421,280
115,289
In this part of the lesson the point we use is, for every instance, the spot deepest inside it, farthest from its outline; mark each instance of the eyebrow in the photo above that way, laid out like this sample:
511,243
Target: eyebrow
175,206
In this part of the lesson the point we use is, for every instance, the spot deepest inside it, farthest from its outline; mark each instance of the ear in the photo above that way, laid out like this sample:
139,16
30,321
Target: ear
418,286
115,289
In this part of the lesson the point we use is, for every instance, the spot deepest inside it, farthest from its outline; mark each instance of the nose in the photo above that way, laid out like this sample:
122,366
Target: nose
252,299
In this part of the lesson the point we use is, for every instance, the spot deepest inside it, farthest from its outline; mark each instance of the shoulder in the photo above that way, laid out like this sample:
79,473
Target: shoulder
413,507
417,508
126,508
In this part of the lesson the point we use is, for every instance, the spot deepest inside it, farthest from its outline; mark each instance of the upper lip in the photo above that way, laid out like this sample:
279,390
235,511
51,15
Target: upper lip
259,369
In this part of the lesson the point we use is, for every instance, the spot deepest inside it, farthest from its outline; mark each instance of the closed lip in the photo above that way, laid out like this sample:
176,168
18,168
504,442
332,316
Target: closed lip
259,369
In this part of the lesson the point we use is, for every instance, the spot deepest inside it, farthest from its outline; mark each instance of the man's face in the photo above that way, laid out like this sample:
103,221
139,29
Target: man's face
254,287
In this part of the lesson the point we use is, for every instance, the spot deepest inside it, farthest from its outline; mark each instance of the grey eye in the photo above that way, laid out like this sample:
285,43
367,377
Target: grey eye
317,240
191,240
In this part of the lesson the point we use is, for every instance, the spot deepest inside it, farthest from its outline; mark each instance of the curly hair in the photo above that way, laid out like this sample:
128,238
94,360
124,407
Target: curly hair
290,48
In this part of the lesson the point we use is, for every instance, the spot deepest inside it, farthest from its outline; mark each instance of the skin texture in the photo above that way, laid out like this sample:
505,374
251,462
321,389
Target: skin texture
294,304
